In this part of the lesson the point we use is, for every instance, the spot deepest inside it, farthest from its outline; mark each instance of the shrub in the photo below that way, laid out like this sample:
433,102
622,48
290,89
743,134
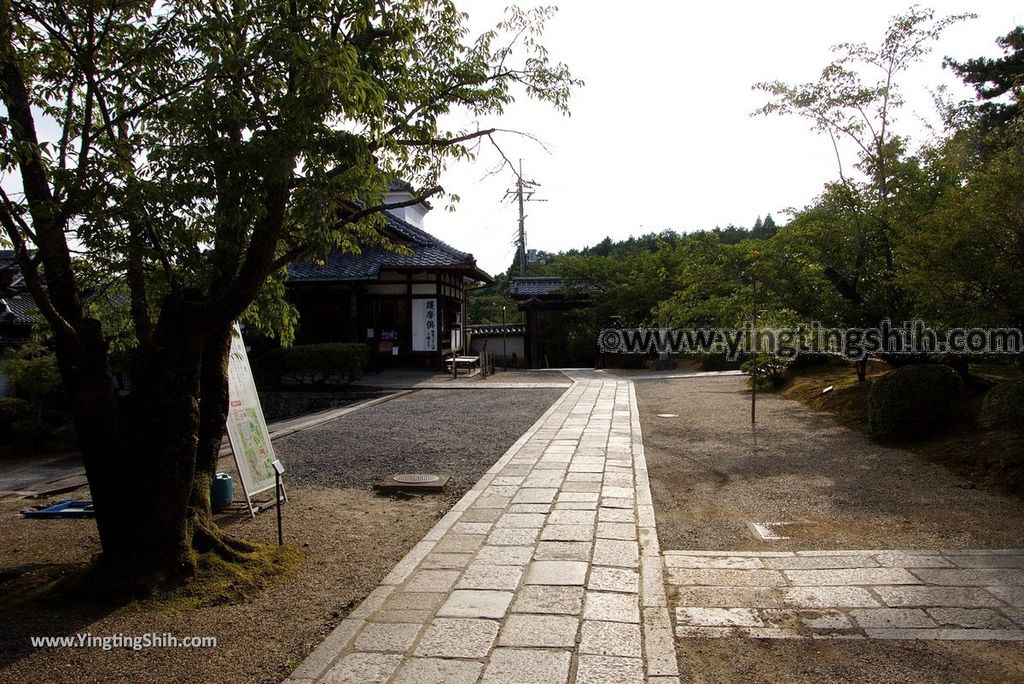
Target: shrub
314,363
11,412
718,362
911,401
771,370
30,435
1004,405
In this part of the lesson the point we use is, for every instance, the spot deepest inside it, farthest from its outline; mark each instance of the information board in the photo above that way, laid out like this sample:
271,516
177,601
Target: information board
424,325
246,425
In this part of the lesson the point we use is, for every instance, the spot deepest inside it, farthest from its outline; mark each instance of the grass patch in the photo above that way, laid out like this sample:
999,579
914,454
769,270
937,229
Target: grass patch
80,586
978,452
847,401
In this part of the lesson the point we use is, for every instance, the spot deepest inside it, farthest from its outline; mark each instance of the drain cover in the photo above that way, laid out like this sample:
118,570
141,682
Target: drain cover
415,478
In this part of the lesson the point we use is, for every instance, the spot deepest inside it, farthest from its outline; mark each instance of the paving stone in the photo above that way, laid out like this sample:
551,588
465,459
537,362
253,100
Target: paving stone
614,579
715,562
482,576
851,577
504,555
575,506
1012,595
618,503
387,638
480,515
414,600
567,532
584,477
948,634
563,517
613,492
566,600
718,617
535,495
886,618
491,501
1014,561
472,527
457,638
459,543
625,515
446,561
610,638
948,597
555,550
905,560
611,607
362,668
527,666
609,530
724,597
978,618
556,572
521,520
590,497
546,631
476,603
512,537
618,553
971,578
432,580
818,562
529,508
596,669
438,671
828,597
824,619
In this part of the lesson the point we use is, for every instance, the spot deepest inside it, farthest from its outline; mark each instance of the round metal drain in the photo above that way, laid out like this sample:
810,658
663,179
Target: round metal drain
416,478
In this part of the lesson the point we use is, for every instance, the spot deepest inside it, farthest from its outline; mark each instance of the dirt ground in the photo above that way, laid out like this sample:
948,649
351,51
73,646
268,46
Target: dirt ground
351,539
711,474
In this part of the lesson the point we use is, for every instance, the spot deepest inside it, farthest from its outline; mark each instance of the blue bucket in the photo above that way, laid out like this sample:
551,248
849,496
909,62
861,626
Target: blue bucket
222,491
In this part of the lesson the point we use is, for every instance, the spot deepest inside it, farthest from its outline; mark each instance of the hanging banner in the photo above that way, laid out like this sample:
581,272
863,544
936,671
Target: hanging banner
246,426
424,325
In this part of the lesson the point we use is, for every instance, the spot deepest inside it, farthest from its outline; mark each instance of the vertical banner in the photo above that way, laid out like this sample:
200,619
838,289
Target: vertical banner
424,325
246,426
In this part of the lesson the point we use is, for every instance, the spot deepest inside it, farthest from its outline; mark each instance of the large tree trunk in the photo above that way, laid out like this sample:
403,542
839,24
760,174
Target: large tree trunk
149,460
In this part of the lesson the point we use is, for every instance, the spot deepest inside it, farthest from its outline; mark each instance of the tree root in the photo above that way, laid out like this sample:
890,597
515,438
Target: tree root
207,537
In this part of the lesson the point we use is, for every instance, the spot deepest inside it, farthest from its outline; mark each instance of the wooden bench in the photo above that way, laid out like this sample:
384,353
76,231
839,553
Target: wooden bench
467,362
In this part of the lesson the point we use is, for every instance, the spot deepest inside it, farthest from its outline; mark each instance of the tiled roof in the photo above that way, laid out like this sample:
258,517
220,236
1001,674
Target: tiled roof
428,252
497,329
530,287
18,310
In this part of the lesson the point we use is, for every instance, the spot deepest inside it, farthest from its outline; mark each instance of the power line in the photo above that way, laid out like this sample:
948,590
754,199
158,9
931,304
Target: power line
523,192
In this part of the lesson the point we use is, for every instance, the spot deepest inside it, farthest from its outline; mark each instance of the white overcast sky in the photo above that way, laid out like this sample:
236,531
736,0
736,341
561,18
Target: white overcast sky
661,135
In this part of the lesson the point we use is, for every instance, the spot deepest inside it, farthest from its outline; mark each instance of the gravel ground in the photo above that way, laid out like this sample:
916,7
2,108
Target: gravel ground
460,433
351,537
711,474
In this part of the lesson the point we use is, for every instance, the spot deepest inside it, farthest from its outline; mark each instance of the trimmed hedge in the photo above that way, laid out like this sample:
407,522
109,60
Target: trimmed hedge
1004,405
913,400
13,411
314,363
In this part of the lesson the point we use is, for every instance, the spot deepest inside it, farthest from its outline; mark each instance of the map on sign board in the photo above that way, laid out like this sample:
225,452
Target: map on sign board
246,426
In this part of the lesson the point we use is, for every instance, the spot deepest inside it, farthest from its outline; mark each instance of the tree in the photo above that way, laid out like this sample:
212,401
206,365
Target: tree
201,146
996,78
847,107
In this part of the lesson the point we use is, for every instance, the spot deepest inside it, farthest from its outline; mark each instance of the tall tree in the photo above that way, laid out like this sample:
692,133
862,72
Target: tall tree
996,78
191,149
855,100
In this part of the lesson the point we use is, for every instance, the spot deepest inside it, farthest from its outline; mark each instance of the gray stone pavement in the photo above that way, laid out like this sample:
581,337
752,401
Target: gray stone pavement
548,570
891,594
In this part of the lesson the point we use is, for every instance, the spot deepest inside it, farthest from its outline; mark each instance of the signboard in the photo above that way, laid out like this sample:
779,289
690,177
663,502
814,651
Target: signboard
246,426
424,325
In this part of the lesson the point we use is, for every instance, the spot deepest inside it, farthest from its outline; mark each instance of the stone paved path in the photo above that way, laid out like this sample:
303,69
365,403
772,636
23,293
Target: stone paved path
940,594
548,570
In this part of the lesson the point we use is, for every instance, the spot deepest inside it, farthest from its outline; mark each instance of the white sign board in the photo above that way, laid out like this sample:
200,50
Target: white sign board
247,428
424,325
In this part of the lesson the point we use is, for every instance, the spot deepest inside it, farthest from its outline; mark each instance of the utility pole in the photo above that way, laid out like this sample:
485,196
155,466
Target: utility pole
523,193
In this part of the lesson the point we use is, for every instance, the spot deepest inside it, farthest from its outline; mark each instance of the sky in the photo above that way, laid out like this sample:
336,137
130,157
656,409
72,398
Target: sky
661,137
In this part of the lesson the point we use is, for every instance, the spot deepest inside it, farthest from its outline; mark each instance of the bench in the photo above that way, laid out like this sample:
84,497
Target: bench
467,362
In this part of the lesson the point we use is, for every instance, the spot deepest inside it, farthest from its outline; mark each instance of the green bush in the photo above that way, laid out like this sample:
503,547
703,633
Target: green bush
913,400
30,435
1004,405
313,363
12,411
